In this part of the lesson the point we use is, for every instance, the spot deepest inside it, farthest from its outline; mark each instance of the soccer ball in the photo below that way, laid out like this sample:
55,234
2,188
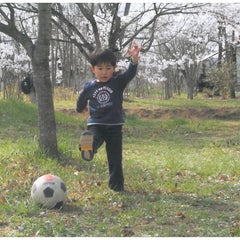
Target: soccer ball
49,191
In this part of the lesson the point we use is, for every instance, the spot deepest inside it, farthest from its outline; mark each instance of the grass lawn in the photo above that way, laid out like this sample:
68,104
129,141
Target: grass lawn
181,173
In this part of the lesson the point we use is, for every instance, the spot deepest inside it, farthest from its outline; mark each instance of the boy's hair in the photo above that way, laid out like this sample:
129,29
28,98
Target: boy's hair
103,56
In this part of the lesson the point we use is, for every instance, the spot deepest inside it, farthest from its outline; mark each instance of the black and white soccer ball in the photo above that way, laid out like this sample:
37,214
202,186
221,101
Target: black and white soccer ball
49,191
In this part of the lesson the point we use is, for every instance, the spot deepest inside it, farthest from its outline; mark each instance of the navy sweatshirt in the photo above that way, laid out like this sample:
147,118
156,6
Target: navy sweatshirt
105,98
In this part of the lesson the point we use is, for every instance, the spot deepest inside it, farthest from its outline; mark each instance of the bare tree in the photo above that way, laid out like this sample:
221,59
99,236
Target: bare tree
38,53
120,34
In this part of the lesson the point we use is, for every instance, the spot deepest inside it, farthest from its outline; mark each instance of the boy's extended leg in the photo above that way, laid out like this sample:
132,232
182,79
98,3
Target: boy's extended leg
90,141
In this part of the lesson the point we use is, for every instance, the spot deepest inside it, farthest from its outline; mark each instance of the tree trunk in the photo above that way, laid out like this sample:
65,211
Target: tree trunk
167,94
42,83
39,53
190,91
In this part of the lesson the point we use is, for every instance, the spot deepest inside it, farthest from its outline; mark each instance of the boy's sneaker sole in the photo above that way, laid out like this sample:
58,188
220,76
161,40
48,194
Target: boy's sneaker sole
86,145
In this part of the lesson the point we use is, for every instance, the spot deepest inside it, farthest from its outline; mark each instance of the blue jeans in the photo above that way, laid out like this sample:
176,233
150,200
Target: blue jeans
112,136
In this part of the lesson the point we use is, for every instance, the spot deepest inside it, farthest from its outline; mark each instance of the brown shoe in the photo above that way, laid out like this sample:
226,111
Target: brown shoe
86,145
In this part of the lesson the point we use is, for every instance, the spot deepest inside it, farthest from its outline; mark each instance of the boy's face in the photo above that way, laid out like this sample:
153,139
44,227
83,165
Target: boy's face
103,71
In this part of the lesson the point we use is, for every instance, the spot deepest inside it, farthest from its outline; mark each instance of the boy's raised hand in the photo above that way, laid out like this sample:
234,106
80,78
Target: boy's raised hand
134,52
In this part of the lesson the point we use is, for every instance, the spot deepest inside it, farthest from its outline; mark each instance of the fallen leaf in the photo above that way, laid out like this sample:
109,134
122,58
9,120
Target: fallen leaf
2,200
127,232
180,215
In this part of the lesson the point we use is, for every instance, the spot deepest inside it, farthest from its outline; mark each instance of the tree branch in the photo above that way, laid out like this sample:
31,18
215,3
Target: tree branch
88,14
73,28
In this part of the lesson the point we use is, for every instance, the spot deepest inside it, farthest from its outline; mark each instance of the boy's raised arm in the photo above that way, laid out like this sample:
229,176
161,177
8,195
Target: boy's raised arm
134,52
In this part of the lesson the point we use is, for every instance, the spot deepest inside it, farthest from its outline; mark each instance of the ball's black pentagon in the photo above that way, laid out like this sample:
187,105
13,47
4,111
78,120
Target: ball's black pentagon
63,187
48,192
58,205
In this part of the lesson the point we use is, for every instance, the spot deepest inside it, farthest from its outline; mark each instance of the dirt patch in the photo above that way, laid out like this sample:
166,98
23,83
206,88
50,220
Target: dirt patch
200,113
185,112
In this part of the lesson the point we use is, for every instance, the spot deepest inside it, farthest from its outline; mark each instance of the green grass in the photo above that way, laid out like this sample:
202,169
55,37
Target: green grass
182,176
180,101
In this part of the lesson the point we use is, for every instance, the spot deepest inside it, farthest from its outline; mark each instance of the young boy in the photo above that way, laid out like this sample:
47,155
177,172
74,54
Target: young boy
105,96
